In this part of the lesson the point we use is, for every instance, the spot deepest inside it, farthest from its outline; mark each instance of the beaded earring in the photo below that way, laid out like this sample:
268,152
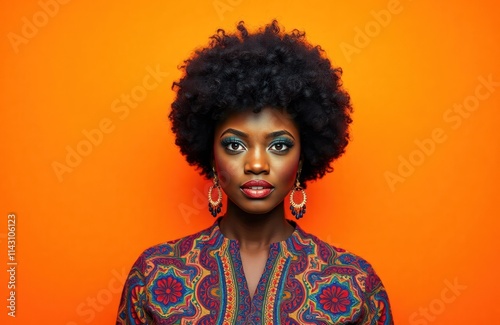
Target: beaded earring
298,209
215,207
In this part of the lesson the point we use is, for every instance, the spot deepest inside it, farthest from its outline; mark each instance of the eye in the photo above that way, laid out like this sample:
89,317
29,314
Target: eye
281,146
233,145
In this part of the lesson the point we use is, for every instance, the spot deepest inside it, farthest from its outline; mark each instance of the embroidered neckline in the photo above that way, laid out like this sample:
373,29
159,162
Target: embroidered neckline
295,235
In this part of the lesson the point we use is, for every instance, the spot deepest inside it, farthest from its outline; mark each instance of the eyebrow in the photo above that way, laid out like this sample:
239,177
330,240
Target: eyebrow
235,132
270,135
279,133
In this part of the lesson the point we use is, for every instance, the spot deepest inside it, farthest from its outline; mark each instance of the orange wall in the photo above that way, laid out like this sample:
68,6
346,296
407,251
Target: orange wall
415,194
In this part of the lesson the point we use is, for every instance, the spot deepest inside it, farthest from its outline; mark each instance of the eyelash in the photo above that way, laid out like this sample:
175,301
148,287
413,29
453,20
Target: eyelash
226,142
286,142
229,141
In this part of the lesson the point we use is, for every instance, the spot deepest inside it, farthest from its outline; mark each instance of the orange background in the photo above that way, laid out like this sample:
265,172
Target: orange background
407,65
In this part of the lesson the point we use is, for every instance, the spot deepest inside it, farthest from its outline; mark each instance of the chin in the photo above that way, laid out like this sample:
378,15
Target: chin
256,209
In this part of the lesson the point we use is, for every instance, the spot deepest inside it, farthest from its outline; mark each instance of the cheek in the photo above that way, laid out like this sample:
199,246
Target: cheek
226,167
286,170
289,173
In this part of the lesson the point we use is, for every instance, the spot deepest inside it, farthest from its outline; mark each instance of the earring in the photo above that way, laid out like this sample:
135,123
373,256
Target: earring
215,206
298,210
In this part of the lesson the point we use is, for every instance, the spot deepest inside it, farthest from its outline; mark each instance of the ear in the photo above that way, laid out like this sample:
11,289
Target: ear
212,164
299,169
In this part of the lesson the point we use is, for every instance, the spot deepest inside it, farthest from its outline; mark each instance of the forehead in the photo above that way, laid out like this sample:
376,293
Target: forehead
267,120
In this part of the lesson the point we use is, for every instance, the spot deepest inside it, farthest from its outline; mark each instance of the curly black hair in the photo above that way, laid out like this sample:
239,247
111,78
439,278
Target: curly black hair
267,68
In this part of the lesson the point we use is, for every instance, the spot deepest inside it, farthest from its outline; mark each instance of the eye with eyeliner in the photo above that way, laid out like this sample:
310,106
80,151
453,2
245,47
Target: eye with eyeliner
279,143
233,144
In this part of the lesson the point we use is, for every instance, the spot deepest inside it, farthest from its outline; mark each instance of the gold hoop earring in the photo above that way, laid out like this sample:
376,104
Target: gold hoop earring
215,207
298,209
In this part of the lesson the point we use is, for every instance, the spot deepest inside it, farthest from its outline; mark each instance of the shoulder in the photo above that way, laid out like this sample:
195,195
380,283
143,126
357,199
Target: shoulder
340,280
339,261
172,252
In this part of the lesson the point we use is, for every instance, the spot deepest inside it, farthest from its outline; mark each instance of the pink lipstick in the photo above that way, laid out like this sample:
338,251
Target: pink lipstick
257,189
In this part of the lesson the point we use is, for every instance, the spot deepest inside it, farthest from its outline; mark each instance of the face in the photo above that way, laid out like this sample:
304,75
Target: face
256,157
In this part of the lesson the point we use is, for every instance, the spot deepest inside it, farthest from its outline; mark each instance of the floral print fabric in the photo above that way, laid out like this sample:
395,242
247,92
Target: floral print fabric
199,279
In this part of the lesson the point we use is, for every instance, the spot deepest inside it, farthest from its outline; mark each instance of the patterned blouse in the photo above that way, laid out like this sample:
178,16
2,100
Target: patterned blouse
199,279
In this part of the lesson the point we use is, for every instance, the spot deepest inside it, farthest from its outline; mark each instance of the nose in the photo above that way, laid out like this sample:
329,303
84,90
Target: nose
256,162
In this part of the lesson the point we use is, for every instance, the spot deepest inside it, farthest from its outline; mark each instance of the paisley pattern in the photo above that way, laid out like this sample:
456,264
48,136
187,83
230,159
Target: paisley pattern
199,279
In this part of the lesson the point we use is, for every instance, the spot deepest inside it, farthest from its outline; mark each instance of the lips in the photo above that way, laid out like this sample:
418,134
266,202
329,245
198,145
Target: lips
257,189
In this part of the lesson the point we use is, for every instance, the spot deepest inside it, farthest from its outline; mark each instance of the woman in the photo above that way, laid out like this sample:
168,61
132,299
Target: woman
260,114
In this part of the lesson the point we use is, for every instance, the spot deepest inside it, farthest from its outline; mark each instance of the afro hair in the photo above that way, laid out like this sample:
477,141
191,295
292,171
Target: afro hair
267,68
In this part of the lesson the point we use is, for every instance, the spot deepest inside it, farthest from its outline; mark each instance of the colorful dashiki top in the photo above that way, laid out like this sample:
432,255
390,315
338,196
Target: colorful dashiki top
199,279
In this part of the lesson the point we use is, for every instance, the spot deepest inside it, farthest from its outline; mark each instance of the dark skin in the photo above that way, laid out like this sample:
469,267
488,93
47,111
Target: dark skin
255,238
256,146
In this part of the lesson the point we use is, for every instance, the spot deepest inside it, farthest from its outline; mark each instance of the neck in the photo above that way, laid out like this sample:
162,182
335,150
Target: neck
255,231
